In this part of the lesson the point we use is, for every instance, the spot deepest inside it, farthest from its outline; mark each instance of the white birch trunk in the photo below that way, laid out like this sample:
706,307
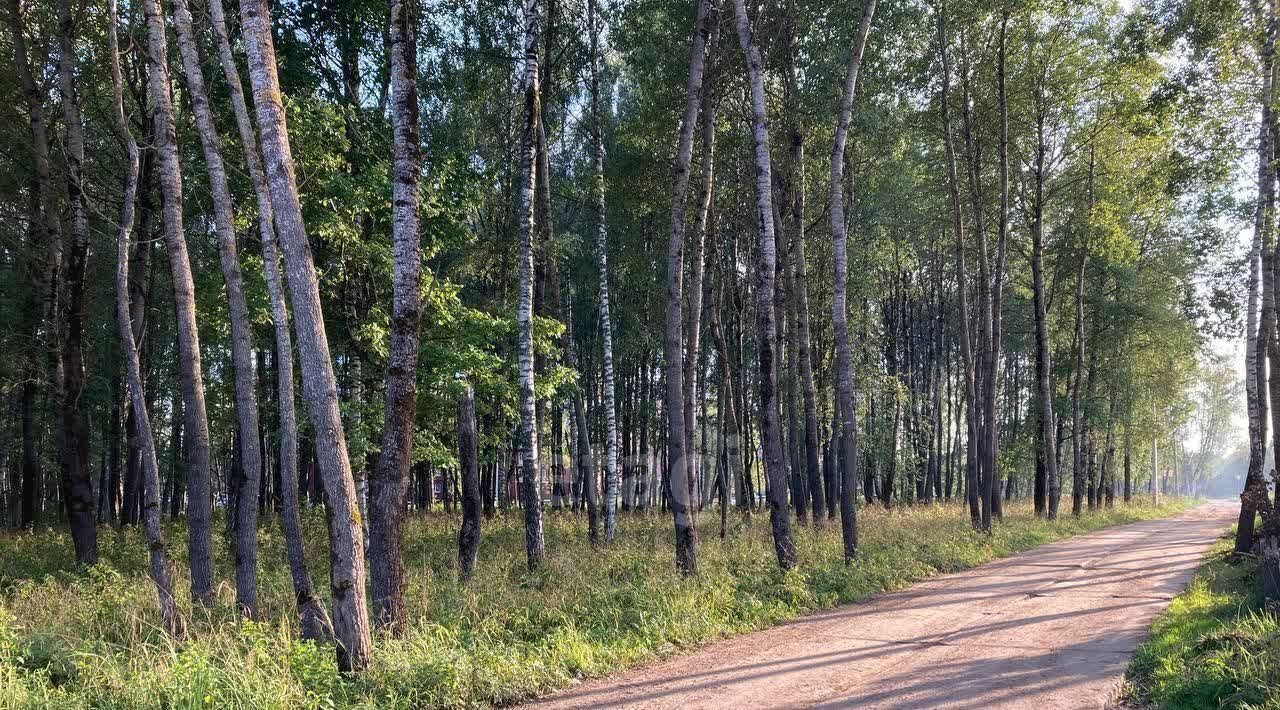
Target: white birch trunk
611,481
160,573
199,506
246,512
531,487
766,327
391,476
346,538
672,350
848,434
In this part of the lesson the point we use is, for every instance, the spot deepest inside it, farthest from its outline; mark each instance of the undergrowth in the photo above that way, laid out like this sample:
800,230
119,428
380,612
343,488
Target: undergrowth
1213,647
91,638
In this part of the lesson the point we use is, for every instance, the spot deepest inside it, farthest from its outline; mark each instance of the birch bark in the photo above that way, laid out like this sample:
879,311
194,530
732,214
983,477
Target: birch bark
848,430
246,512
766,326
346,538
530,483
160,573
391,475
611,481
673,355
169,172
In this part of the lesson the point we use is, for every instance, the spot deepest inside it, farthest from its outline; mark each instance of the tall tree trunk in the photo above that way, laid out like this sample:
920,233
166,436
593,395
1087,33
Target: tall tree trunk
1271,348
800,286
997,294
391,475
784,360
47,229
585,461
766,328
985,424
246,548
199,508
535,546
546,299
141,285
1077,423
77,482
695,260
848,433
315,622
673,355
547,269
1256,327
468,460
606,323
962,293
159,568
346,539
1052,483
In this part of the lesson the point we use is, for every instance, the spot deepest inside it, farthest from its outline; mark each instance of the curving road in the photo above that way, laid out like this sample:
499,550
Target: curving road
1048,629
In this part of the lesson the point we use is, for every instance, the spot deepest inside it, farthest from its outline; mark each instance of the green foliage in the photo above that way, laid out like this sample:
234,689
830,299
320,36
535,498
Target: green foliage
1213,647
93,639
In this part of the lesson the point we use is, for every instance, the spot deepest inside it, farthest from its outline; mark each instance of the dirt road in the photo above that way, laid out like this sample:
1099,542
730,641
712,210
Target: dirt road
1048,629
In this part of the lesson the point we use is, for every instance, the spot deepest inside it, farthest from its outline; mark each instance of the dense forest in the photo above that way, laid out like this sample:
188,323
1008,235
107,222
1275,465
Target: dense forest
623,260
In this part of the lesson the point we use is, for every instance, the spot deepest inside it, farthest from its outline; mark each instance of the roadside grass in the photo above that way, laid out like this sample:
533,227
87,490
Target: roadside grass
92,638
1213,647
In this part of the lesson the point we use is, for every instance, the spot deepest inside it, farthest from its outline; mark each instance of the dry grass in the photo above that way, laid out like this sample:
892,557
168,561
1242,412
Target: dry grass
91,638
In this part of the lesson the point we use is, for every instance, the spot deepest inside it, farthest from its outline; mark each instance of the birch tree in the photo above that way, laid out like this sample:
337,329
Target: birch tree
1255,342
962,287
992,482
766,327
160,573
695,261
1039,297
848,430
686,552
530,483
346,538
611,480
798,264
199,507
391,476
314,621
246,509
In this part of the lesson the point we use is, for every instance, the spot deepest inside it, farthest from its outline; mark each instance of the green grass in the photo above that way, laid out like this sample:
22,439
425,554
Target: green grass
1213,647
92,639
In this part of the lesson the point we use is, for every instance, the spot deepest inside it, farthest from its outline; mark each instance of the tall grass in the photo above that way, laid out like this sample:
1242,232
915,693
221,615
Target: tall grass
75,639
1213,647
